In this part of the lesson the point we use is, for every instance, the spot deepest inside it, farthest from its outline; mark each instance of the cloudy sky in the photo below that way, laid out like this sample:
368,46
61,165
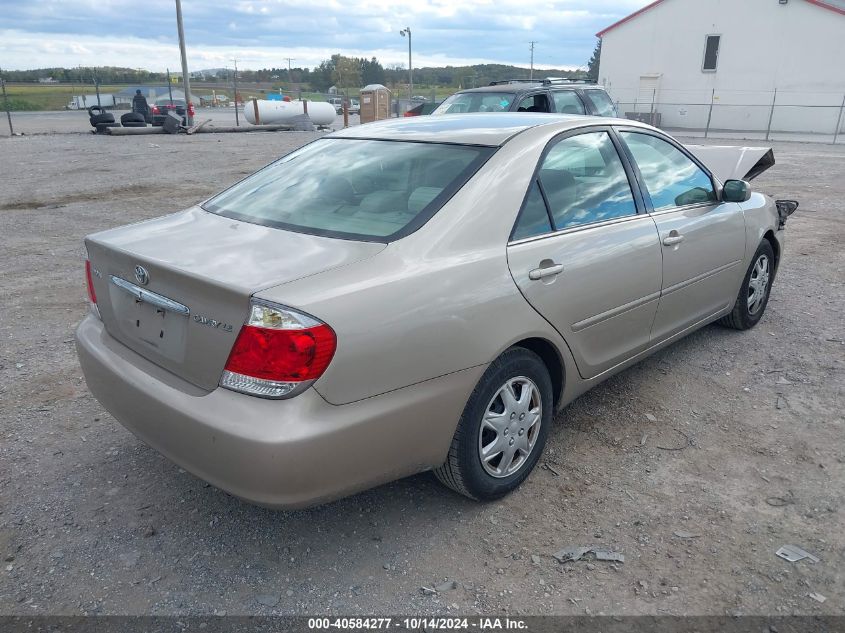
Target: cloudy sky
261,33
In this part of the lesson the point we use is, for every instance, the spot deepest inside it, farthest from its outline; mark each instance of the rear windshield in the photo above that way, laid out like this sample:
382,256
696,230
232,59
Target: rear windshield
353,188
602,101
476,102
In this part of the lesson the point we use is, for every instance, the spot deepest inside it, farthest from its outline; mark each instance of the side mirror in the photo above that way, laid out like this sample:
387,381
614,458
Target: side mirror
736,191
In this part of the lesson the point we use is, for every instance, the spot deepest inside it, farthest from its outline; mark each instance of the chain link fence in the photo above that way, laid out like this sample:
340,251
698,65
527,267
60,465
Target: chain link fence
758,115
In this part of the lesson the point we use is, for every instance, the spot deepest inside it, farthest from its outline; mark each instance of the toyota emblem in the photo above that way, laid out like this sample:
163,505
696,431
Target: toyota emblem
141,275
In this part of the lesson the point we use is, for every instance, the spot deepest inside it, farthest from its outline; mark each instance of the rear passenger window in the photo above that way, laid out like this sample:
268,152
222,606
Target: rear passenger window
567,102
534,219
604,106
584,181
672,179
534,103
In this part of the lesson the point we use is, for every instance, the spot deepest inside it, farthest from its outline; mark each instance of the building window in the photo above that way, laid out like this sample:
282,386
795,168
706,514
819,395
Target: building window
711,53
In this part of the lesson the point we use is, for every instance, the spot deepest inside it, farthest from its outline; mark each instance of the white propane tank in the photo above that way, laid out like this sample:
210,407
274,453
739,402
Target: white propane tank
320,112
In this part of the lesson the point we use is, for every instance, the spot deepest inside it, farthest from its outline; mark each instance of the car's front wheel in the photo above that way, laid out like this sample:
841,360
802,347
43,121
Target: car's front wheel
503,428
754,293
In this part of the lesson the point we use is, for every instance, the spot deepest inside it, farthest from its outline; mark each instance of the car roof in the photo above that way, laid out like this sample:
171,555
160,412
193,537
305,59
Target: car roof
525,86
474,128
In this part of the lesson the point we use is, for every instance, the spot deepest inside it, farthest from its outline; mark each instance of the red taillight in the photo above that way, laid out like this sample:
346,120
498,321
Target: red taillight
282,355
191,110
410,113
155,110
92,296
278,350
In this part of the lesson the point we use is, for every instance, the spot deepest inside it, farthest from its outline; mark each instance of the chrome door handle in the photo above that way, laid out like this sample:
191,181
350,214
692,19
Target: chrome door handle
673,238
548,271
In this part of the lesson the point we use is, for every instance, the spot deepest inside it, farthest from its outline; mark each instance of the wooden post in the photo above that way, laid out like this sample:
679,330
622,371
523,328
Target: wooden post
305,106
345,113
255,110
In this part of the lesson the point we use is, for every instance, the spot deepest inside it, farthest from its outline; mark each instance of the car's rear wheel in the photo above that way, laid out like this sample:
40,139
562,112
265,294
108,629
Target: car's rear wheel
503,428
754,293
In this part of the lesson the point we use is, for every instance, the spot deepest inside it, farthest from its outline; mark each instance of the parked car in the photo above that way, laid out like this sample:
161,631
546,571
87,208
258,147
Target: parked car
426,296
337,102
163,105
562,96
421,109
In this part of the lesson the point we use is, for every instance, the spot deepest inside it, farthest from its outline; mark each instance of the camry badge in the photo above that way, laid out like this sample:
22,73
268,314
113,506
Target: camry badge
213,323
141,275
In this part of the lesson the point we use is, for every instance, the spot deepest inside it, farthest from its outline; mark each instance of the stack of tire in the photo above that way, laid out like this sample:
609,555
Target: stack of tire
133,119
101,120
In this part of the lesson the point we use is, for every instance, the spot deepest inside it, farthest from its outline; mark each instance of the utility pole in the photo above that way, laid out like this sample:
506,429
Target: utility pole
235,78
403,33
531,46
9,114
290,81
186,81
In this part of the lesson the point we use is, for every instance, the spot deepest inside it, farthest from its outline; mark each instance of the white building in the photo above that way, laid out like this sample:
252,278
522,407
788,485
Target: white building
675,57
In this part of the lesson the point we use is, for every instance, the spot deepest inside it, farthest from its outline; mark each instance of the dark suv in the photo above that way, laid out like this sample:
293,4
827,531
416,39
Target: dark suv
563,96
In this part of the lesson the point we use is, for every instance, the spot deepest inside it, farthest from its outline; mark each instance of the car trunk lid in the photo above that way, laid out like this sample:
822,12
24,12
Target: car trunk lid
176,289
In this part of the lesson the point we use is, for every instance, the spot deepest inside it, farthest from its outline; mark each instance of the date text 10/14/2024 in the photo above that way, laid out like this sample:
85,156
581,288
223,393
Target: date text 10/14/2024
417,623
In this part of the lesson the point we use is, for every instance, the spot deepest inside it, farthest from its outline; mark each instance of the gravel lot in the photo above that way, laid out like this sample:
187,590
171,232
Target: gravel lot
697,464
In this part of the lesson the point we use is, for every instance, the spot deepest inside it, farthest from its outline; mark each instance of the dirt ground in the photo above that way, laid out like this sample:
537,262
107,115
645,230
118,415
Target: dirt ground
697,464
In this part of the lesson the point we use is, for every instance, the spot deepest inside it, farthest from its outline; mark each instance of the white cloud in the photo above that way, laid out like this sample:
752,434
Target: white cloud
263,33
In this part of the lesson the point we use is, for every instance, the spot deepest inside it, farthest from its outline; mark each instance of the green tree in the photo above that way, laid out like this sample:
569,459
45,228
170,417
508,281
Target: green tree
593,64
321,76
372,72
347,72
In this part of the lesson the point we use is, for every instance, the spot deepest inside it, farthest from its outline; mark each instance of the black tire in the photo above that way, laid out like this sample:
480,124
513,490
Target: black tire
132,117
745,316
134,124
463,471
97,119
97,109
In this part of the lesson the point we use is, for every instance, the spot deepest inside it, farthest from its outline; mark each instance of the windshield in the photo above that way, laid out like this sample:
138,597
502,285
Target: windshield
353,188
166,101
476,102
602,101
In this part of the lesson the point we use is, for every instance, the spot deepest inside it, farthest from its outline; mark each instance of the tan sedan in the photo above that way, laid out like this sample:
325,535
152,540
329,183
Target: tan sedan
417,294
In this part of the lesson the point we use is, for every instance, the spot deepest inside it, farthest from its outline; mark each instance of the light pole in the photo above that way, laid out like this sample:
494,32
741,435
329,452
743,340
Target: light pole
403,33
186,81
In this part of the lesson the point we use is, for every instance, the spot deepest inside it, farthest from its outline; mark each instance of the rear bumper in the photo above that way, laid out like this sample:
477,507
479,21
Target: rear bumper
277,453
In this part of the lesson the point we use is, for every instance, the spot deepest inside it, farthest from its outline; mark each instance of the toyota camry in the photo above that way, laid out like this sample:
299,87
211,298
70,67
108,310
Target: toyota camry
418,294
